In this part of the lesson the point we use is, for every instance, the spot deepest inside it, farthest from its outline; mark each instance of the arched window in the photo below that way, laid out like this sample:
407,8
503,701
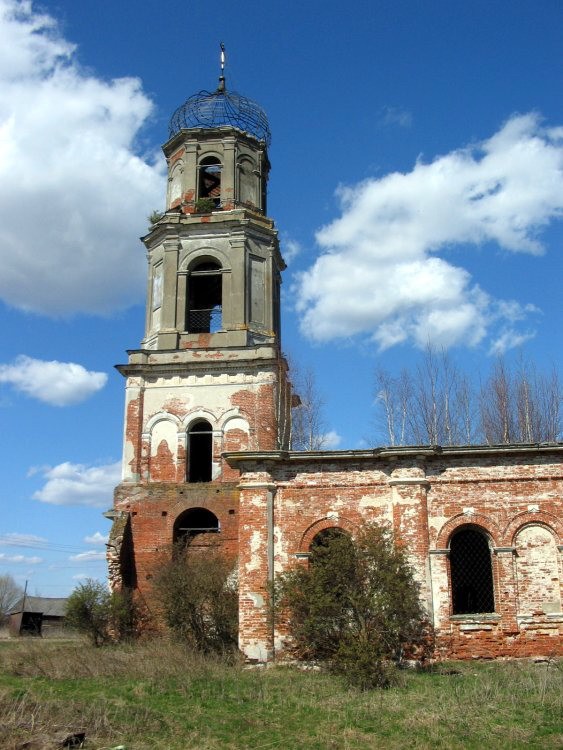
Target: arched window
193,522
210,180
471,572
200,452
205,298
330,547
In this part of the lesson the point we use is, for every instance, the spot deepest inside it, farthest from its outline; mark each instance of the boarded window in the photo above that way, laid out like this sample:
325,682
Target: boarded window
248,183
164,452
537,571
257,290
471,572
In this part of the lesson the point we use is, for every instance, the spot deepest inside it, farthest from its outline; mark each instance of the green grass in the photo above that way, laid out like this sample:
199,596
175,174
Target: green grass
155,695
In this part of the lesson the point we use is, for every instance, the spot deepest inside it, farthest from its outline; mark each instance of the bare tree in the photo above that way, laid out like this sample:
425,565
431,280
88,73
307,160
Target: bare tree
431,406
10,594
395,396
308,427
522,406
436,404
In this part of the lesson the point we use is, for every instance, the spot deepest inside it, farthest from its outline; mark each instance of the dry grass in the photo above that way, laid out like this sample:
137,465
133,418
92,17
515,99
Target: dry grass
157,695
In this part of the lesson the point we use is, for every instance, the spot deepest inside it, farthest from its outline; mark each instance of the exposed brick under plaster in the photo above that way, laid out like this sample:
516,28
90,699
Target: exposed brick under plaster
281,504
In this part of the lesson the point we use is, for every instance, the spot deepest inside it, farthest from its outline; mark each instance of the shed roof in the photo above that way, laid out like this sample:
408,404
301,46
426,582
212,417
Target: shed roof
51,607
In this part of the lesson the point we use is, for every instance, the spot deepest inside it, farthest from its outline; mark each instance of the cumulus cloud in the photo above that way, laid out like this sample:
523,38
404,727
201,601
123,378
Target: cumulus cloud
379,273
331,440
55,383
77,484
70,173
88,556
20,559
13,539
290,249
96,538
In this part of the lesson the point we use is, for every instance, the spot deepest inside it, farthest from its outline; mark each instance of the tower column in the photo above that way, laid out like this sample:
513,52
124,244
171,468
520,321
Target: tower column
168,338
228,181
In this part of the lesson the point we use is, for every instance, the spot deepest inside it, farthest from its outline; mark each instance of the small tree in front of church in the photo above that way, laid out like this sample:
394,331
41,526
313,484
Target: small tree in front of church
101,615
355,608
198,595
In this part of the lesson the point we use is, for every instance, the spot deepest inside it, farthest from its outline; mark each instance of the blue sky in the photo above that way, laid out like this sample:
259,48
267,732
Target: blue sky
417,185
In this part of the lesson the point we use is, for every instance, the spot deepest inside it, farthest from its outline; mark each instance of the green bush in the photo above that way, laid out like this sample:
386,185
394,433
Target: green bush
204,206
198,593
356,607
101,615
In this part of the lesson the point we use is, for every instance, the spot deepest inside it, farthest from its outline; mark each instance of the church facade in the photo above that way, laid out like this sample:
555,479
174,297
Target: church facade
207,426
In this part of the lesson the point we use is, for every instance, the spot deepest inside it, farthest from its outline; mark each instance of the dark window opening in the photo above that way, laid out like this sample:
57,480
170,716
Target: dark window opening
326,536
205,299
332,545
210,180
193,522
200,452
471,573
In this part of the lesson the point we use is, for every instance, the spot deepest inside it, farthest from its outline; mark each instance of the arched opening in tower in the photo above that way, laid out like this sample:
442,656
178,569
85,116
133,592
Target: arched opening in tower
193,523
210,180
205,299
471,572
200,452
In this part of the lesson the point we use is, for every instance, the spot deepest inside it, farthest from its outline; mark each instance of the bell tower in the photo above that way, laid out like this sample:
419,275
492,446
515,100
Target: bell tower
209,375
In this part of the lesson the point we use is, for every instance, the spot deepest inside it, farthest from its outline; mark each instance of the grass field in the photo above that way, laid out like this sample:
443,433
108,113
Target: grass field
155,695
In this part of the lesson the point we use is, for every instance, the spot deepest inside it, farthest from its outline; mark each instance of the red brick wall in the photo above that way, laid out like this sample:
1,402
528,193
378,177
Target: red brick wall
514,500
153,508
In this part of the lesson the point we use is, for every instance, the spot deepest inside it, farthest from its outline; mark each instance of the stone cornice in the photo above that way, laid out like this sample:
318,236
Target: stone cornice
417,453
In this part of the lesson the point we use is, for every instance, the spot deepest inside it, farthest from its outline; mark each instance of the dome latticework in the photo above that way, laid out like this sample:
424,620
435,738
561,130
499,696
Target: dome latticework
219,109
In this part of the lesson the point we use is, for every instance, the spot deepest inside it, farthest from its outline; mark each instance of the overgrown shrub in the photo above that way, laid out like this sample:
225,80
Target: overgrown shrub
198,593
204,206
101,615
356,607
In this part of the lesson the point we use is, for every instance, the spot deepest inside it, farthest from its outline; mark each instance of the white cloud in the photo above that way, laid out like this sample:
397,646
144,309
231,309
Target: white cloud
96,538
331,440
13,539
20,559
70,173
509,339
88,556
396,116
55,383
290,249
76,484
379,274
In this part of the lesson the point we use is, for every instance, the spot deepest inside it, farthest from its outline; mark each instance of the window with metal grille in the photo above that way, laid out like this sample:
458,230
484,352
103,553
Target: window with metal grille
200,452
205,295
471,572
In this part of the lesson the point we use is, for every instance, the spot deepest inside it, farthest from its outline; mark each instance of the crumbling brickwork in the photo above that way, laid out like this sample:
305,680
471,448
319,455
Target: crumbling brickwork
510,496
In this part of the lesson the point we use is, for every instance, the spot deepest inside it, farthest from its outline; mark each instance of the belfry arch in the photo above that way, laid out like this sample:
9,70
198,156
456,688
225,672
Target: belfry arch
194,522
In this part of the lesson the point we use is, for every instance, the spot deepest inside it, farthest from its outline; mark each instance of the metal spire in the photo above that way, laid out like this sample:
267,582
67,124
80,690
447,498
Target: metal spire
222,76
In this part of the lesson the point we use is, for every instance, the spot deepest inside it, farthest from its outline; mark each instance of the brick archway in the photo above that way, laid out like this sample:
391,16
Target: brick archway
321,525
541,518
475,519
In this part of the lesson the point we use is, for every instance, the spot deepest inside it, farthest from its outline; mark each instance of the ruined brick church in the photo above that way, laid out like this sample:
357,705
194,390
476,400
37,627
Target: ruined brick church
208,403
